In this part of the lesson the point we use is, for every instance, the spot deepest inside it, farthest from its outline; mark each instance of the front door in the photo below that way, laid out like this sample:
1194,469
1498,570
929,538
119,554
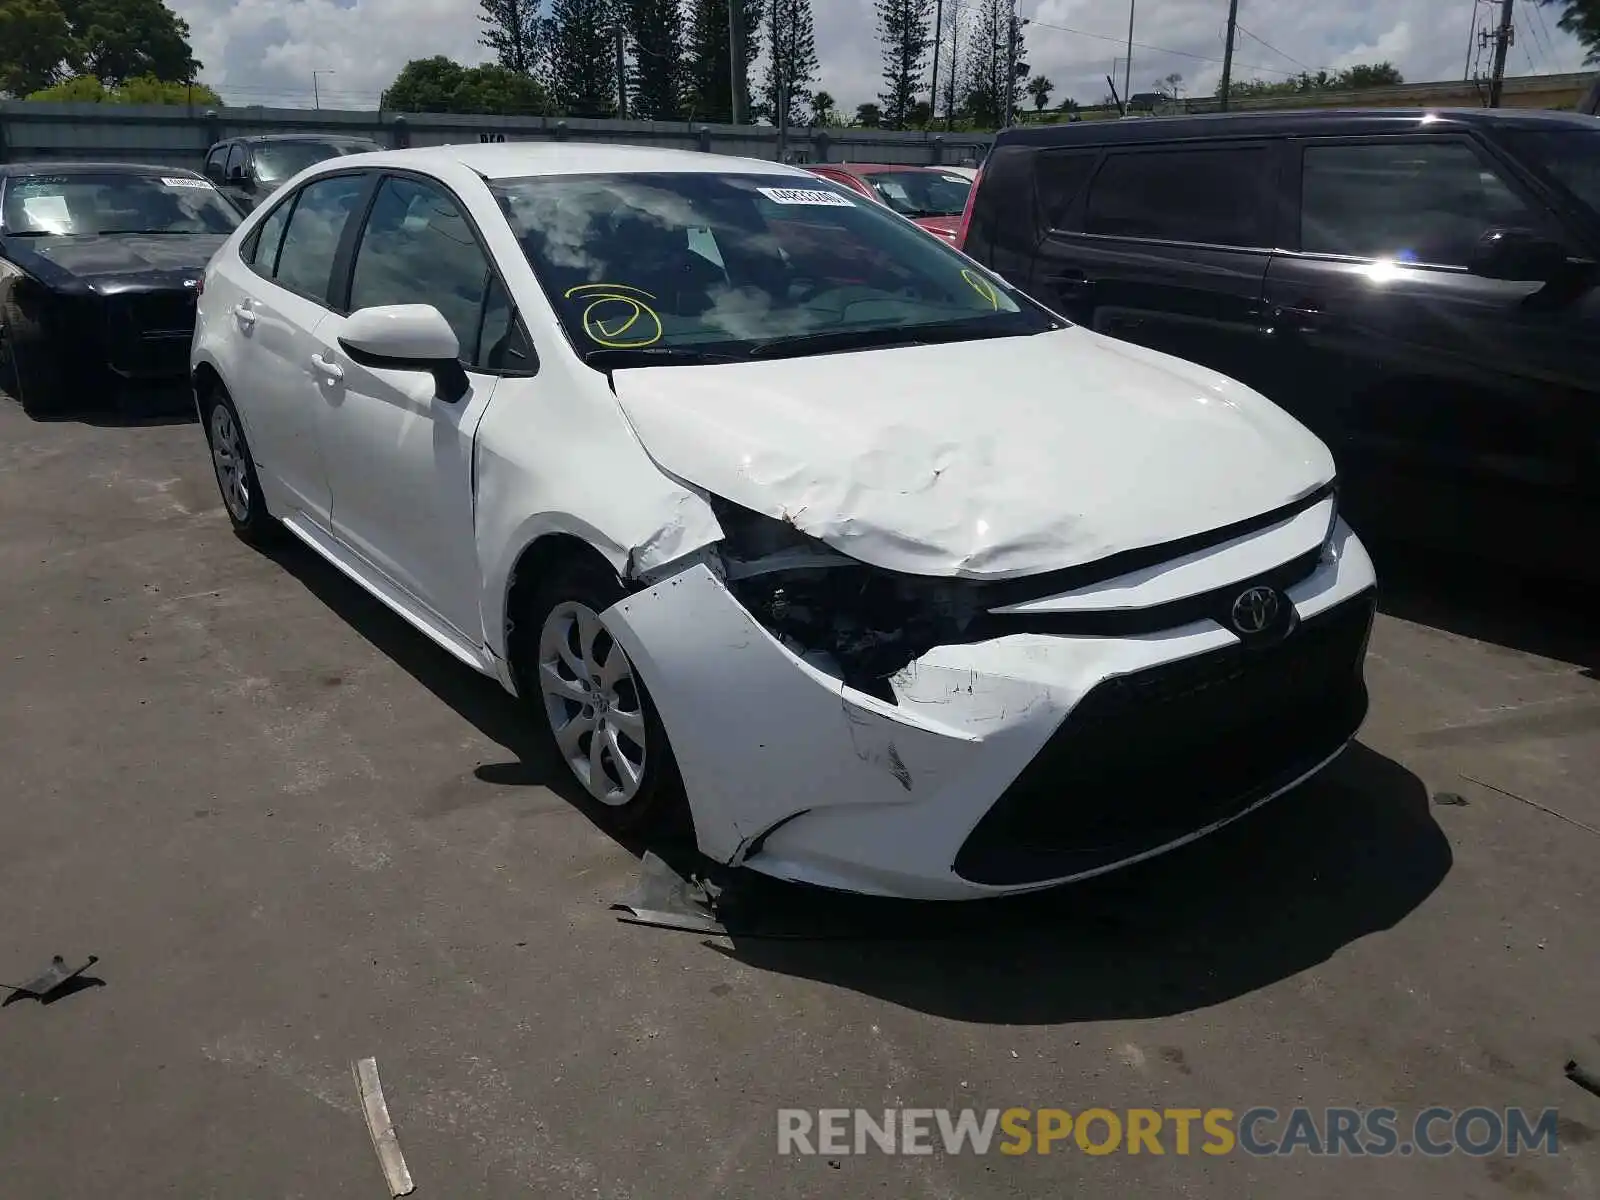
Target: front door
400,454
1462,409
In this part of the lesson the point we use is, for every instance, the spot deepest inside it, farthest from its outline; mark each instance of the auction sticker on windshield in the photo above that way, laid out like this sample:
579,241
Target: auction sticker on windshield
186,183
806,196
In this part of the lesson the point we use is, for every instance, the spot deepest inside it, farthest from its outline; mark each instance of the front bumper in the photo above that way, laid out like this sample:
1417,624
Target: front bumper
1006,765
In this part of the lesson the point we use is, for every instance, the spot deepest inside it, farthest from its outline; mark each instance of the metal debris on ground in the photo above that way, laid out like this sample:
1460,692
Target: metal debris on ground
51,980
668,900
1587,1080
1450,799
384,1141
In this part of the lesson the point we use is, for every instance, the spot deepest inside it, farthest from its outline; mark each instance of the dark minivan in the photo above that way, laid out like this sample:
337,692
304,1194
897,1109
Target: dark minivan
249,169
1418,287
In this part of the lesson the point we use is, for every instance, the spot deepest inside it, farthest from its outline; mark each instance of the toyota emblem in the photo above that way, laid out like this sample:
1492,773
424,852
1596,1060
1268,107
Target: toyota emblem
1255,610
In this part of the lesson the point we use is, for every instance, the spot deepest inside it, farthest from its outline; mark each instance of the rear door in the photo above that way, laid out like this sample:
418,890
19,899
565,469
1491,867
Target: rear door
1167,246
1460,407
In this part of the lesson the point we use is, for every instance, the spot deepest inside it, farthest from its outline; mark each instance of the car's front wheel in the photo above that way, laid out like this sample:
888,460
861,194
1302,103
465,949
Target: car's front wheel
600,719
236,471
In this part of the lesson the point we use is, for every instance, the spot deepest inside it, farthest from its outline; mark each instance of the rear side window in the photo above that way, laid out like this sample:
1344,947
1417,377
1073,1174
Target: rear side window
1421,202
1218,196
235,160
305,260
261,251
1059,177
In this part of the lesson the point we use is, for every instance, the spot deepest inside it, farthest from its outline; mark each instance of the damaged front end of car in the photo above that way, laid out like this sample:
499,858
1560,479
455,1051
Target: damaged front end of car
859,623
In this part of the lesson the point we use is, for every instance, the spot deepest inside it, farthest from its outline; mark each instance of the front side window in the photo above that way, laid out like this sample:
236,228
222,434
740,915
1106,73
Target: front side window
417,248
305,260
1569,156
1411,202
99,204
735,264
1215,196
921,193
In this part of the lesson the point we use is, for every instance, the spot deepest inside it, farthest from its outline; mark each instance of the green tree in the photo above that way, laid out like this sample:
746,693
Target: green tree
988,60
115,40
708,71
515,31
86,89
1039,89
824,109
35,44
657,81
1363,75
1581,18
868,116
792,58
440,85
903,30
583,73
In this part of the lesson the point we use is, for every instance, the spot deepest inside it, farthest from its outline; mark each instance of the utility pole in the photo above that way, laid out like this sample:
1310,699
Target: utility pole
955,67
737,67
1127,66
1502,42
938,33
1227,53
622,72
316,93
1011,67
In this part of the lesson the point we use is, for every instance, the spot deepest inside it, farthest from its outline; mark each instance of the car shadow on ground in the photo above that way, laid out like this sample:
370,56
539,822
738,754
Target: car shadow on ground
1348,854
496,714
1491,603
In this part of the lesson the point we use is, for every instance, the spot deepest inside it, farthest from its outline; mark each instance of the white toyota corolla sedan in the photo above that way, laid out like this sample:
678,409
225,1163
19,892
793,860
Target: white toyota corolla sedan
769,504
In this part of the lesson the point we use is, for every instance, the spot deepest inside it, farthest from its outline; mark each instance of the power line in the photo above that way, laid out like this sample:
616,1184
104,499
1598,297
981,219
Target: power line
1101,37
1274,49
1544,32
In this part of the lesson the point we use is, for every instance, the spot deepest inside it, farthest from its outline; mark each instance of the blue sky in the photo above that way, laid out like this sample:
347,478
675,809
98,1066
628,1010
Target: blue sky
264,51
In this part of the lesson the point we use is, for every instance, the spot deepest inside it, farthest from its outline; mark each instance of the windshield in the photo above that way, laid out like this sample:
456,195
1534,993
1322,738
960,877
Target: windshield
734,264
922,193
1570,156
113,202
276,161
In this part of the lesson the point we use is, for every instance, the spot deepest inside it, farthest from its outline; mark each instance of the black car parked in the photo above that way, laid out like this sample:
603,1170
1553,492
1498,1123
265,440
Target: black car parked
1418,287
100,264
249,169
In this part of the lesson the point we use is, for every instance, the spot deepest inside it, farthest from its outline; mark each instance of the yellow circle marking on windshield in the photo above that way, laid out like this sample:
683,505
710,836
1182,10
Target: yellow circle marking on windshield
602,294
982,286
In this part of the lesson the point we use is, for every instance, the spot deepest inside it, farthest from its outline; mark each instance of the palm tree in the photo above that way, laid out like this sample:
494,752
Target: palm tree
1040,88
822,112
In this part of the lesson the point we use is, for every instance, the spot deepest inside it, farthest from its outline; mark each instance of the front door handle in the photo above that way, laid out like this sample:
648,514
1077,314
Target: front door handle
332,371
243,314
1305,319
1068,281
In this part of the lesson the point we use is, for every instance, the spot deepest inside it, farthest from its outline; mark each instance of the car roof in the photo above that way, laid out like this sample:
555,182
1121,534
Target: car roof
1315,122
94,168
515,160
255,138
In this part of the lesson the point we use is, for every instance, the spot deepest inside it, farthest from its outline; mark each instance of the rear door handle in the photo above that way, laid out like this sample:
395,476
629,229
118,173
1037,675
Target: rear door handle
243,314
1069,280
1305,319
330,370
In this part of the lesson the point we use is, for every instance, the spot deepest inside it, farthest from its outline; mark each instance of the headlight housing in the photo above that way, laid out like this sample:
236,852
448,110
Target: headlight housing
849,618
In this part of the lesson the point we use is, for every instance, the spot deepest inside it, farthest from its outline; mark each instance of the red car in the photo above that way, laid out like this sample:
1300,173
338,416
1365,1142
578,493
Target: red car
931,197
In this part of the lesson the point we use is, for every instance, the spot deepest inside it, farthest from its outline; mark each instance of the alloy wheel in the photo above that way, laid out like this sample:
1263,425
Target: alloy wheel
593,703
227,455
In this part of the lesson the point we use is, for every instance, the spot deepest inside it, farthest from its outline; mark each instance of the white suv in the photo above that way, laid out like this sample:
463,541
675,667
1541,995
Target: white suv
771,505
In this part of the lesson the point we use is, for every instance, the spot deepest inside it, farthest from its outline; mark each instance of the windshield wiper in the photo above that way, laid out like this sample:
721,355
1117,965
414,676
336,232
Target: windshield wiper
31,233
607,359
883,337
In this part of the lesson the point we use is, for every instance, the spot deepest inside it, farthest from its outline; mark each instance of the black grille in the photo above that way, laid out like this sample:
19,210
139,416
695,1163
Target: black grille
1146,758
148,333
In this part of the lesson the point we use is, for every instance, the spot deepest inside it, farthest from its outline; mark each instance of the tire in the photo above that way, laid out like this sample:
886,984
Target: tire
639,787
235,471
33,375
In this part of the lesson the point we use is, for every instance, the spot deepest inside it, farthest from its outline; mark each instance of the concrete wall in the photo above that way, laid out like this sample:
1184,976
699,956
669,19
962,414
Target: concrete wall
179,136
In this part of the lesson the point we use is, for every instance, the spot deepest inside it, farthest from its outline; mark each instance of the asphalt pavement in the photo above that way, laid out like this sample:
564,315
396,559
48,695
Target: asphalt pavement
296,836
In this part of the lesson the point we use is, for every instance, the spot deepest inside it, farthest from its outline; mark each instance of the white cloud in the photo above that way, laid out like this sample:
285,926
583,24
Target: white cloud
264,51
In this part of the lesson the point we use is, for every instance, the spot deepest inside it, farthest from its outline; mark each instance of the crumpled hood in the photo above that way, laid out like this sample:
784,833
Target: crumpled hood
129,257
984,460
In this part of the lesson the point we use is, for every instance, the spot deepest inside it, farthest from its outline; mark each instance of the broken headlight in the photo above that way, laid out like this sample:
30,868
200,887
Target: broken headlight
852,620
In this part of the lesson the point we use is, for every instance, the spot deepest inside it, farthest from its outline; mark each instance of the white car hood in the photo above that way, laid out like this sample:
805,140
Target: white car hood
985,460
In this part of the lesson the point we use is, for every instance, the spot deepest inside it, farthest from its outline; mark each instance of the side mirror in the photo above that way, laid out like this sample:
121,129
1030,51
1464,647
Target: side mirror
407,337
1517,254
214,172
